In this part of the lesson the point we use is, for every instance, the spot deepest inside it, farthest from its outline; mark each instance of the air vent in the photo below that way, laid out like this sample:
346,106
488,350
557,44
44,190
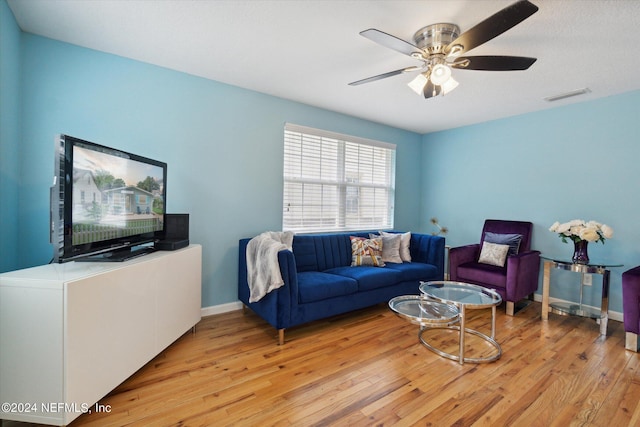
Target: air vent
568,94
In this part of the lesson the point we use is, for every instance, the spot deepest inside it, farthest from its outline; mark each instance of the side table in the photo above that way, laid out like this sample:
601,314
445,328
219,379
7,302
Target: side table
577,309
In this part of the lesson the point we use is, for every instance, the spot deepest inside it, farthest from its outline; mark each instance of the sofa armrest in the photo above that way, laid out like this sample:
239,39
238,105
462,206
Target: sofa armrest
461,255
523,270
275,307
428,249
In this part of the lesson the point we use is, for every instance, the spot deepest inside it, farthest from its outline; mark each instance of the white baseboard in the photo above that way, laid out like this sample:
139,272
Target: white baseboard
237,305
222,308
613,315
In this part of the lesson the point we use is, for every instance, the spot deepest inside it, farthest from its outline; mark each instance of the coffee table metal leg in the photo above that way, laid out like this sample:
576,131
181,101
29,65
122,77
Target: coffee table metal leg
462,330
493,322
497,354
604,306
546,278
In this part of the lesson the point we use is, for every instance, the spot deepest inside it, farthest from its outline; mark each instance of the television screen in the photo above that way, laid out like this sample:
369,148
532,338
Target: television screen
108,199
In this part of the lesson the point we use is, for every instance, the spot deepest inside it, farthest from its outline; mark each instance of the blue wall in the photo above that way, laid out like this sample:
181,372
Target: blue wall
576,161
10,107
223,146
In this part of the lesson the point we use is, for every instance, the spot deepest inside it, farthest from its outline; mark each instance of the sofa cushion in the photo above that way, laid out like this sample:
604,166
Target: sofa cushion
390,247
369,277
405,242
366,251
475,272
414,270
316,286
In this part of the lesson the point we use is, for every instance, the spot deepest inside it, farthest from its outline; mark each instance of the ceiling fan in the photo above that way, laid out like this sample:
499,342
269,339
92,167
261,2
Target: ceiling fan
439,47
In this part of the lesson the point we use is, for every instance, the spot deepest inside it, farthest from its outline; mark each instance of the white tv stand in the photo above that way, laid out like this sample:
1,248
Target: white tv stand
70,333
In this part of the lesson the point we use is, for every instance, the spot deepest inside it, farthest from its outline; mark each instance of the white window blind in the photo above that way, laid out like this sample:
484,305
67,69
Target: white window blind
335,182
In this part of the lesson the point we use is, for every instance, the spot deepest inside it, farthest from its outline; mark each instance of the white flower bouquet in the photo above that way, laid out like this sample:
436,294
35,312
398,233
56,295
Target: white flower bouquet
578,230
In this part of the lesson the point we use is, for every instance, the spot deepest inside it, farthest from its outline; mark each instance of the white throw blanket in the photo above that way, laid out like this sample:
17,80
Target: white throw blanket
263,270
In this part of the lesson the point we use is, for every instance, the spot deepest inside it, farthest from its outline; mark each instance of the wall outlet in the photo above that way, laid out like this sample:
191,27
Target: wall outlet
587,279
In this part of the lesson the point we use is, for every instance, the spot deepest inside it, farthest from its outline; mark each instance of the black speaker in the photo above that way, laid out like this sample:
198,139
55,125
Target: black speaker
176,232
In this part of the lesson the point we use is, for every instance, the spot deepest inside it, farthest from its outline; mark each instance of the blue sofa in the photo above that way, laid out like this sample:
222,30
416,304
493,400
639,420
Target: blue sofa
319,281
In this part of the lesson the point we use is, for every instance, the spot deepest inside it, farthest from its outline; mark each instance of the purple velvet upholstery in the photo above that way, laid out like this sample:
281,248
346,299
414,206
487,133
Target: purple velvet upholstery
516,280
631,300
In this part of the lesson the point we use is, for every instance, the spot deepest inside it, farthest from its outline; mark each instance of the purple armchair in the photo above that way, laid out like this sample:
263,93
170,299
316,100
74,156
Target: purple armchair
631,307
516,278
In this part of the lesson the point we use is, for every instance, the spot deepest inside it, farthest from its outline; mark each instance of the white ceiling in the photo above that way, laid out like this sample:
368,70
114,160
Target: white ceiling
307,51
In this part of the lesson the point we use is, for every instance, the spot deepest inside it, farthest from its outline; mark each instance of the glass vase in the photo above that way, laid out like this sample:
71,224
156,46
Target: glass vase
580,255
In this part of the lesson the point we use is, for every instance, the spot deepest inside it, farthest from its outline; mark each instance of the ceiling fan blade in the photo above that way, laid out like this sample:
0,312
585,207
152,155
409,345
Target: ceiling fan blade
492,27
392,42
431,90
384,76
493,63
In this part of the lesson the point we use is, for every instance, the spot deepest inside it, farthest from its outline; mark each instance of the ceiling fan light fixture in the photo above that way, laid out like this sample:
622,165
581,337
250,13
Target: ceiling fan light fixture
439,47
417,84
440,74
449,85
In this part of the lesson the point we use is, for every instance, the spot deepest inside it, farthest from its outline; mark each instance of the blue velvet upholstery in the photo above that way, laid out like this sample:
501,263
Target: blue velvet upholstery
369,277
318,285
413,270
320,282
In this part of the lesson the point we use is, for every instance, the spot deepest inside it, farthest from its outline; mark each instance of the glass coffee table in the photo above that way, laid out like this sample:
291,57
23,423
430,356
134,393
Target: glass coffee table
424,311
464,296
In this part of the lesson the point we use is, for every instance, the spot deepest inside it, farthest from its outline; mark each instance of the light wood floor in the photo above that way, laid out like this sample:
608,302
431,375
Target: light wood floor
367,368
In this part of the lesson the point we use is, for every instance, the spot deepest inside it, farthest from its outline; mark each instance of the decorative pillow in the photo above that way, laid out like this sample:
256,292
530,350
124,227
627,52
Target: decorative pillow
390,247
366,251
405,240
513,240
493,254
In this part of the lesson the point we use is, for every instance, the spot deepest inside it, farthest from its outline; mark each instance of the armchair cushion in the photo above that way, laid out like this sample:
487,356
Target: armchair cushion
512,240
486,274
525,229
493,254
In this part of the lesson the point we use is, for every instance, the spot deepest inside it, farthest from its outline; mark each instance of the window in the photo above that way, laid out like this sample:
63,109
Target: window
335,182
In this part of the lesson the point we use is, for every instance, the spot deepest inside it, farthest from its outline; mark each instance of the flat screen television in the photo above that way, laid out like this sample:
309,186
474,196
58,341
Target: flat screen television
106,204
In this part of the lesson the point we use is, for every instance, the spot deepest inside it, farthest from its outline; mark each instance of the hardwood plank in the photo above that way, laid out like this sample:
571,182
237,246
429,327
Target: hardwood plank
622,404
368,368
